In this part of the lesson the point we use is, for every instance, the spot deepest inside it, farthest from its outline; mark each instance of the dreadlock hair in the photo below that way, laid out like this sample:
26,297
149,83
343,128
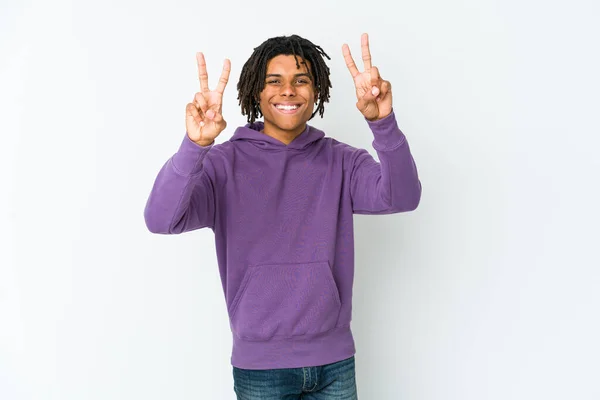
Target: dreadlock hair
254,71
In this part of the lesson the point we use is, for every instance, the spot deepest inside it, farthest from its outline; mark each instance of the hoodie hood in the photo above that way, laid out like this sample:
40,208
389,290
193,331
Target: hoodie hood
252,133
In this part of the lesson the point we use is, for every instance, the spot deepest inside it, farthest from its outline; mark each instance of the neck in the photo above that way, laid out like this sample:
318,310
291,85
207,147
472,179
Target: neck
282,135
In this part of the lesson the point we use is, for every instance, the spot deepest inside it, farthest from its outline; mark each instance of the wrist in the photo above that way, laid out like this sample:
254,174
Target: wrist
203,143
378,118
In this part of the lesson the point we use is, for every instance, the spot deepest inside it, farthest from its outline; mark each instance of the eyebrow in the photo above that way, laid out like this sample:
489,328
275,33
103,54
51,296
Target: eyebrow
295,76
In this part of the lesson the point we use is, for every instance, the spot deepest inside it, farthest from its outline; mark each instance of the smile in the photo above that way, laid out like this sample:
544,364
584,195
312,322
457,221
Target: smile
287,108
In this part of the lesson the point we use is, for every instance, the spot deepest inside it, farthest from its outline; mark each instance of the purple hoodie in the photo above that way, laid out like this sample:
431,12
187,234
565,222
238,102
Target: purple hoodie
283,225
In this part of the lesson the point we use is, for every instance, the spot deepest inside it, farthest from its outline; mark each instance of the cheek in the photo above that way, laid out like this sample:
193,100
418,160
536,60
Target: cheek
313,97
265,95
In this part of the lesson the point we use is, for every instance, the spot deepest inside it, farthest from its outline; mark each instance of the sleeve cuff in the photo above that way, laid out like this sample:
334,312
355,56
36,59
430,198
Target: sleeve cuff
189,157
387,134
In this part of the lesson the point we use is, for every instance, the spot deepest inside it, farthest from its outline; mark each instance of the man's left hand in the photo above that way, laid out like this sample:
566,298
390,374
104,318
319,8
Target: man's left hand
373,93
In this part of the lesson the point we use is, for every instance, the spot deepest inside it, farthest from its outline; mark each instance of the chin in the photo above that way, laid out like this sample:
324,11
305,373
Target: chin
287,123
291,126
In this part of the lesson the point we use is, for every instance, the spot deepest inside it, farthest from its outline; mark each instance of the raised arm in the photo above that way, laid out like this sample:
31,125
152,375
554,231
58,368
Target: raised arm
183,196
391,185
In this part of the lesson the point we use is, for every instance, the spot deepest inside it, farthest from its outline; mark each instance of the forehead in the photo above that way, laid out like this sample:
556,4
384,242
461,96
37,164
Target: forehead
283,64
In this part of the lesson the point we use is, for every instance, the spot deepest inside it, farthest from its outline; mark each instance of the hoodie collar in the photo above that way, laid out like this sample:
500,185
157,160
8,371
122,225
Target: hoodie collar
252,133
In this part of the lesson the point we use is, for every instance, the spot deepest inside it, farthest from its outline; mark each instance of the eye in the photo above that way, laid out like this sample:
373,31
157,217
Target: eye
273,81
302,80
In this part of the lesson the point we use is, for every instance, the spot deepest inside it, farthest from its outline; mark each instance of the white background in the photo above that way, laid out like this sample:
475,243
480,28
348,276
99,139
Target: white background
489,290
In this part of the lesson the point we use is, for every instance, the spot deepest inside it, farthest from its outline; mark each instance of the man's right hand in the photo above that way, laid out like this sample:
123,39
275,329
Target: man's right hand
203,118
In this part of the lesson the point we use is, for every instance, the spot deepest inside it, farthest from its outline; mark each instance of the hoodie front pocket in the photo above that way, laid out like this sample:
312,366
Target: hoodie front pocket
285,300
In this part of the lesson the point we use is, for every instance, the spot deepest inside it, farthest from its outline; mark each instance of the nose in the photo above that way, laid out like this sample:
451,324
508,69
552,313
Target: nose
288,89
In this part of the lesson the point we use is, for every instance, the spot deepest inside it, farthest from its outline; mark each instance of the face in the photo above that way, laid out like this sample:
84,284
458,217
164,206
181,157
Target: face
288,98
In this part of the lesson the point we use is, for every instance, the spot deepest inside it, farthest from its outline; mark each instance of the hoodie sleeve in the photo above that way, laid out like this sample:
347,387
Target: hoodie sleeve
392,185
183,196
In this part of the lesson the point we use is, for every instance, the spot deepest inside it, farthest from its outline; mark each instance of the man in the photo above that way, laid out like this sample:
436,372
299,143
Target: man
280,197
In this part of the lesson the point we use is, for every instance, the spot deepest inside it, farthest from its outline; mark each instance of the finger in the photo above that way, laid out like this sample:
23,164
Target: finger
220,121
375,78
193,111
386,87
370,95
202,74
217,119
368,99
224,76
349,61
200,102
366,53
367,106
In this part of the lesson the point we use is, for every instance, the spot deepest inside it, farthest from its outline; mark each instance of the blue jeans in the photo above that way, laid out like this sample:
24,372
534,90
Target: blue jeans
324,382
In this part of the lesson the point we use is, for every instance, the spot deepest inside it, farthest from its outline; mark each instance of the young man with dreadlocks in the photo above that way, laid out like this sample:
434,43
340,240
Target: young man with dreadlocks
280,198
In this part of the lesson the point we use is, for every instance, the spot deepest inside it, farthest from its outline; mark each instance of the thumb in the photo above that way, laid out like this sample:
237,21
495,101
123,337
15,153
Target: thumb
367,104
369,96
372,94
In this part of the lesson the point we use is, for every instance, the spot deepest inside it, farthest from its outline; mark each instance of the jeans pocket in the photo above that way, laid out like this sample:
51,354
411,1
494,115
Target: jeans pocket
285,300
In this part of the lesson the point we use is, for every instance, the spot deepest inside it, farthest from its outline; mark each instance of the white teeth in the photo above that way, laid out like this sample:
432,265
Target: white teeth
282,107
